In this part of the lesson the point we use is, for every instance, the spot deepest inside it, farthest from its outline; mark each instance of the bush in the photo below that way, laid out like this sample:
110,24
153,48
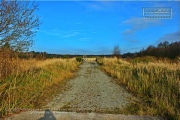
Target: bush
8,65
78,59
99,60
65,56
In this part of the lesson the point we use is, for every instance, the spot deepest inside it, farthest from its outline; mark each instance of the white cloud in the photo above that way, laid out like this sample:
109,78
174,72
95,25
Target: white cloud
71,34
84,39
54,32
170,37
90,6
137,24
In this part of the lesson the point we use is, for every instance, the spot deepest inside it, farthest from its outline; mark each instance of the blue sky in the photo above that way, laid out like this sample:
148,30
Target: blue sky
94,27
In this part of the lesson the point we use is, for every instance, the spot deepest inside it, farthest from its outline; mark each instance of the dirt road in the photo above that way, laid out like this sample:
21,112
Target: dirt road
93,92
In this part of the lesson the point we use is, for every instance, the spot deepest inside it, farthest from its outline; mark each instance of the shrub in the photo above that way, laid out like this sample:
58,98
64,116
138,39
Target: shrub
99,60
65,56
8,64
78,59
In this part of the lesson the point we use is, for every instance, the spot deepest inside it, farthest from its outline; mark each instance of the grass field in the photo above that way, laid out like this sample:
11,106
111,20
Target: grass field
156,84
32,83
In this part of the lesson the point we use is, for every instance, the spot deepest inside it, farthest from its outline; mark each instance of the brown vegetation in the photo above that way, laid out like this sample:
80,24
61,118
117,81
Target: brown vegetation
29,84
155,83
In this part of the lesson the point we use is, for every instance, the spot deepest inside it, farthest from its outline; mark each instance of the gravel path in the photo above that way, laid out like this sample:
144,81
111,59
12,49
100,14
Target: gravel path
92,93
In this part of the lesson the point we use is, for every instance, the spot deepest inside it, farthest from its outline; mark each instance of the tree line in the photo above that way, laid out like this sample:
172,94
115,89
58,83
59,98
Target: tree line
163,49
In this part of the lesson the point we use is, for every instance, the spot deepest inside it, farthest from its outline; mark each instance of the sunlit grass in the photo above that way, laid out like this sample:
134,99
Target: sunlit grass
90,59
156,83
33,83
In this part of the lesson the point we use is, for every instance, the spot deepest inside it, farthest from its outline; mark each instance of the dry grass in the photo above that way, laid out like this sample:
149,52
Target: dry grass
90,59
32,83
156,83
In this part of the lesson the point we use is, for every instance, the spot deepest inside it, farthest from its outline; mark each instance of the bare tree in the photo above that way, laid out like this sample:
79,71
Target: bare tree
116,51
18,23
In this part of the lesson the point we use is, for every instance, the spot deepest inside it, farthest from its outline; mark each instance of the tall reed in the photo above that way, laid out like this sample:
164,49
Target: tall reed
157,83
33,83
